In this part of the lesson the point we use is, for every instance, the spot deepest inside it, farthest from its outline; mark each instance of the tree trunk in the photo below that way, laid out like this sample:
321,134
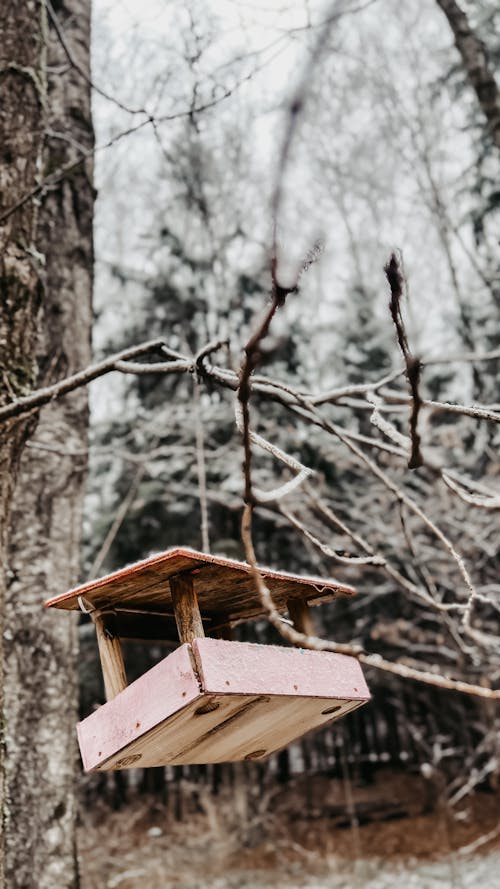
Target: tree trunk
475,61
45,315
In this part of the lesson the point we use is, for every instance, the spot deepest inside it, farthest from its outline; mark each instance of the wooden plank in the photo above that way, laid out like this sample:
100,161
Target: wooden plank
247,668
300,615
219,701
261,726
186,610
161,692
224,588
240,727
166,743
111,657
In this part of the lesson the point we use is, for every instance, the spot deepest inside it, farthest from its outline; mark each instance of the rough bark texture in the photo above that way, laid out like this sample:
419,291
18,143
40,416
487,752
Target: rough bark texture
22,63
475,61
45,315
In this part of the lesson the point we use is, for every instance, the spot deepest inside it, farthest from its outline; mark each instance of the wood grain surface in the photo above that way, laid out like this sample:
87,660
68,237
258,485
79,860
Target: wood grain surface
220,701
141,600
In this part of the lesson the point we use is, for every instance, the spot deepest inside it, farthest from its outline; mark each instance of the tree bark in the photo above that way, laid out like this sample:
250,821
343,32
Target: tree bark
21,139
475,61
45,316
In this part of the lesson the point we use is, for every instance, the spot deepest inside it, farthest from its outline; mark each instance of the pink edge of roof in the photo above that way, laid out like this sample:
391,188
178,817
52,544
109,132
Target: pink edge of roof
319,583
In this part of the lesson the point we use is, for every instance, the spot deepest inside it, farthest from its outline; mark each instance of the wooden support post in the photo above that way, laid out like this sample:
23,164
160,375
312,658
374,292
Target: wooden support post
186,610
110,653
300,614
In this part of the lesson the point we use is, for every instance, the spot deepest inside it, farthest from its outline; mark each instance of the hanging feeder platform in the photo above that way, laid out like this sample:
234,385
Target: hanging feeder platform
212,699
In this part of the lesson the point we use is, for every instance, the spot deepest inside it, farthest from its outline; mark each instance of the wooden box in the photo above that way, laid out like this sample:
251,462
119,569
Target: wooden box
217,701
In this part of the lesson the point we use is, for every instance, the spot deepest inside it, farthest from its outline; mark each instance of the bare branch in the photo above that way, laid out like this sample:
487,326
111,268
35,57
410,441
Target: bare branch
75,381
478,412
207,350
327,550
283,490
401,495
82,73
413,364
471,848
274,450
402,670
393,400
158,367
421,595
384,425
117,522
273,616
201,468
358,389
480,500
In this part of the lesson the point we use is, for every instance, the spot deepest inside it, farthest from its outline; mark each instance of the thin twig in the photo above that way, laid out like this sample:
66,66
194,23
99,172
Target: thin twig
403,582
201,468
481,500
81,71
207,350
471,848
371,660
413,364
327,550
401,495
150,120
303,472
334,395
252,354
159,367
117,522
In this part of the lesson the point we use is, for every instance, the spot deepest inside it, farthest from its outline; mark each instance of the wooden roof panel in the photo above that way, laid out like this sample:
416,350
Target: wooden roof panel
225,588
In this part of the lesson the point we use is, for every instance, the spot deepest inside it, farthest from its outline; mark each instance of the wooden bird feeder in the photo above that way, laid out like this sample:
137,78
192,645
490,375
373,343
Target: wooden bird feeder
211,699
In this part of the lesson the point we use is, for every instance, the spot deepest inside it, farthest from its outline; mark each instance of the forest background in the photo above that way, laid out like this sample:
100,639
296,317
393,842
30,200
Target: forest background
241,149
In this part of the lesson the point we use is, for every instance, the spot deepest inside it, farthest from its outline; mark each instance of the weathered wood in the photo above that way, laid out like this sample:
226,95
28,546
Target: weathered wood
219,701
186,610
110,653
158,694
301,616
224,588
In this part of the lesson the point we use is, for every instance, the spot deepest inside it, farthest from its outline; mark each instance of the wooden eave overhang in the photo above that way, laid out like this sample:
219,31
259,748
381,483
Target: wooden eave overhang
138,601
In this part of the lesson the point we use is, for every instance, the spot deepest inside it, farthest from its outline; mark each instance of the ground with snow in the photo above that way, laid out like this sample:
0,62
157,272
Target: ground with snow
226,843
477,872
